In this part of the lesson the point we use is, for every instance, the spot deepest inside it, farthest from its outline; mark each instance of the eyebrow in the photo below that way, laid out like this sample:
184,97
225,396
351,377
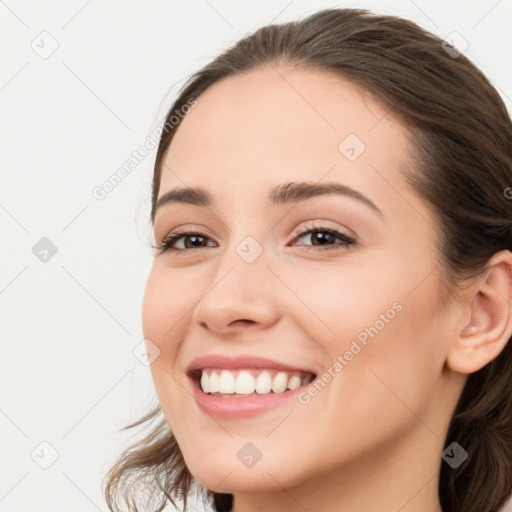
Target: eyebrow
278,195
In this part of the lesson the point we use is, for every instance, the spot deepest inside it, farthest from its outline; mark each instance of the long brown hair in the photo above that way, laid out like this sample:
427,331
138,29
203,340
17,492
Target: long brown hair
463,145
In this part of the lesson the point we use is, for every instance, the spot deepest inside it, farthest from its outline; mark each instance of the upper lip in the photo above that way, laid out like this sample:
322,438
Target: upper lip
240,362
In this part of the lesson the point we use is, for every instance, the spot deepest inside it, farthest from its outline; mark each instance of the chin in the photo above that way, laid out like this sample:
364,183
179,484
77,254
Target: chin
227,474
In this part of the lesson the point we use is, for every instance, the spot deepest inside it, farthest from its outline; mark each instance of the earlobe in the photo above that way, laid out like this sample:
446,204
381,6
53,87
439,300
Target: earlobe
483,337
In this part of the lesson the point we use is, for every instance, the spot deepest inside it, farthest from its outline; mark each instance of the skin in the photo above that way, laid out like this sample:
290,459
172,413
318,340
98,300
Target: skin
372,438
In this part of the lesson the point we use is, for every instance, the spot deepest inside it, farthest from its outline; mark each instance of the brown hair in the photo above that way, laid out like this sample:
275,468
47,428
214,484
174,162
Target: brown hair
463,166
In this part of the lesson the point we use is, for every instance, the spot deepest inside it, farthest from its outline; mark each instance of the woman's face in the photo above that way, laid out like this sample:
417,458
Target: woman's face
266,280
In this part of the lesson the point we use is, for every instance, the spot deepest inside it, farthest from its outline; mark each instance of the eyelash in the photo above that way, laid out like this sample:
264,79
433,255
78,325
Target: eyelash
170,239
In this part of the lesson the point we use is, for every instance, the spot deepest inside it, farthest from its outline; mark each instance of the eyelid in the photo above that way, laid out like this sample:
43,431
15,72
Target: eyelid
186,231
347,240
319,224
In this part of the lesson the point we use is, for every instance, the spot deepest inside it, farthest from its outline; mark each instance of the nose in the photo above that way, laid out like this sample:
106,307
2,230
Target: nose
239,296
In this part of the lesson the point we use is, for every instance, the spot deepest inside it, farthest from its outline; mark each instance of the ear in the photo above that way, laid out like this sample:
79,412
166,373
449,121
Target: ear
483,337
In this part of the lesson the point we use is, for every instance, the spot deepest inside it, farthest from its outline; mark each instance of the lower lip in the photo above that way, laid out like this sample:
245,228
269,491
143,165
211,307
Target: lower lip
241,407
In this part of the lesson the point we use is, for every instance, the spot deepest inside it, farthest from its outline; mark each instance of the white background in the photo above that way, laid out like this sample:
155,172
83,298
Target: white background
68,326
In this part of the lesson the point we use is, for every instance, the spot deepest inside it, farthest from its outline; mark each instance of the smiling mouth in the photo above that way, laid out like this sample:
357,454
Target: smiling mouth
245,382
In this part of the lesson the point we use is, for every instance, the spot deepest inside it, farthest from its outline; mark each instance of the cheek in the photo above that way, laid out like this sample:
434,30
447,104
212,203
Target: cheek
163,307
380,339
341,303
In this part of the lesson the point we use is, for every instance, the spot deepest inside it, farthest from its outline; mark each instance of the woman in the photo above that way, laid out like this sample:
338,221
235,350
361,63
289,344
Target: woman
331,285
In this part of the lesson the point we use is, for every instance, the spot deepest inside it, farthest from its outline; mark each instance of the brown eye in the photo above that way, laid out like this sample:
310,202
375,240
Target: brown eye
325,238
192,240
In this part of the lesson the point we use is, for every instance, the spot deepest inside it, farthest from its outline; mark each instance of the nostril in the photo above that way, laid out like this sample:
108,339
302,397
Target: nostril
245,321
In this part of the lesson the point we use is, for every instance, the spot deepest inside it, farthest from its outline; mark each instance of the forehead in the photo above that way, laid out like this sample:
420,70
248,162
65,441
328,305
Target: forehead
280,123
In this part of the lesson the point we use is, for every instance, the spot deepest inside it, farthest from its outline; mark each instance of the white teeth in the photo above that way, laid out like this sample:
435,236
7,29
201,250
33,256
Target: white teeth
226,382
213,382
205,380
249,382
263,383
244,384
294,382
279,382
